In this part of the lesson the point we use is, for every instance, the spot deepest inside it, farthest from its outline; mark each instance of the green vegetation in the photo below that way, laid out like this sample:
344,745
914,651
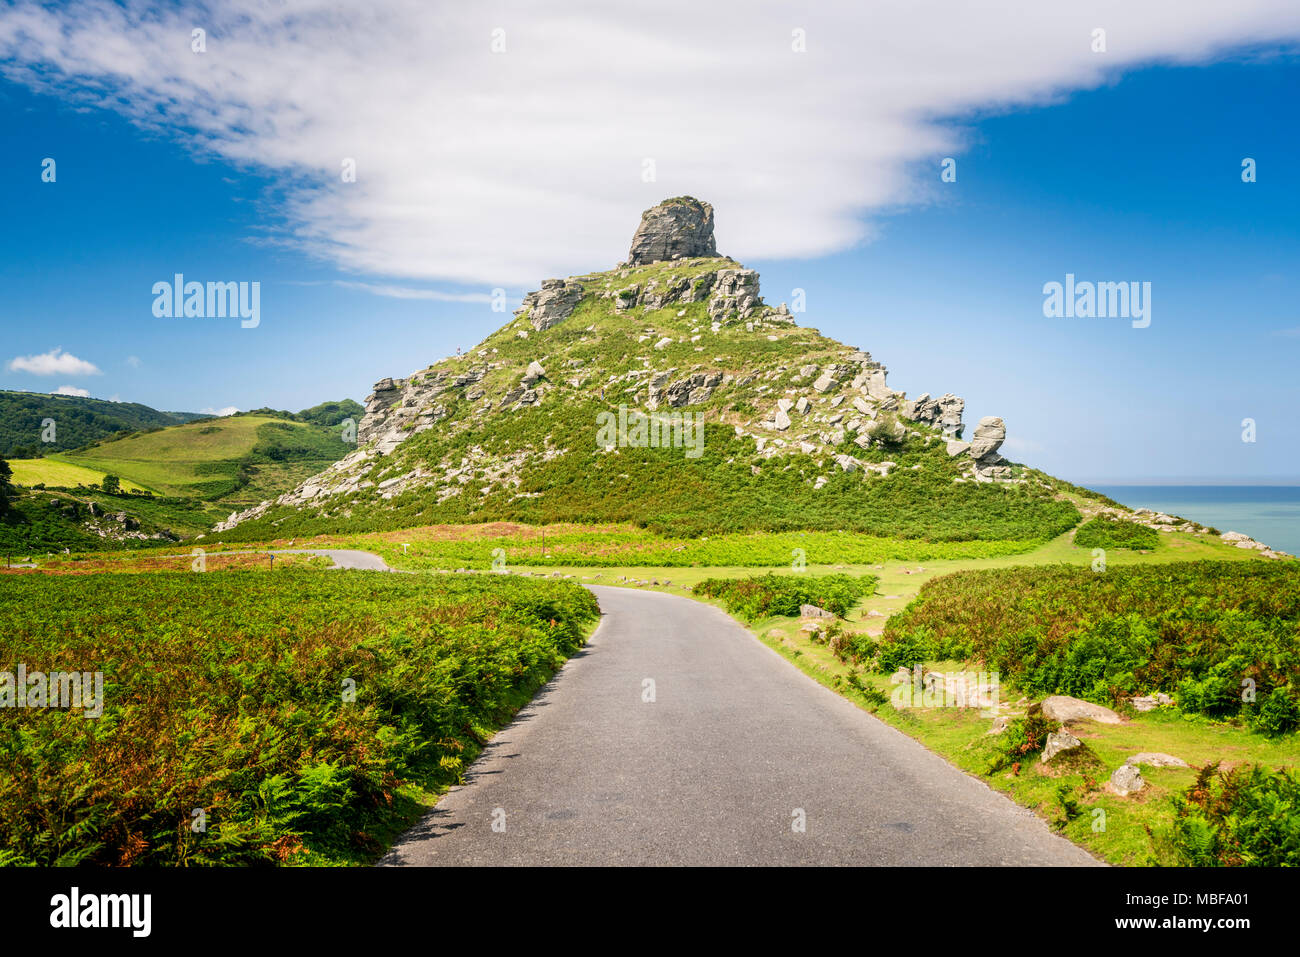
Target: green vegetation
617,546
52,473
1072,795
1219,636
768,595
6,487
1102,532
77,421
242,458
1245,816
661,490
230,692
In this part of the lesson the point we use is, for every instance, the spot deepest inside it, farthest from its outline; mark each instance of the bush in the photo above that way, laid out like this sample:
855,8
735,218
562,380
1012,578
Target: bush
1248,816
228,691
1197,630
1022,739
1103,532
1278,713
767,595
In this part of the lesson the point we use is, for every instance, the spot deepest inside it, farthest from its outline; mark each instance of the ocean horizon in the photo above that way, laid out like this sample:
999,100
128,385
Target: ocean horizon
1267,513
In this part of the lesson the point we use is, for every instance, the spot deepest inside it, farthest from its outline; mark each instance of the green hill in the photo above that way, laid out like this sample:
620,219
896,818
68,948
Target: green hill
560,415
77,421
234,459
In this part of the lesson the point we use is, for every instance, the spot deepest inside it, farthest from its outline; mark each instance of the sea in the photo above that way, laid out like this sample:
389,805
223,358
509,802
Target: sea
1267,513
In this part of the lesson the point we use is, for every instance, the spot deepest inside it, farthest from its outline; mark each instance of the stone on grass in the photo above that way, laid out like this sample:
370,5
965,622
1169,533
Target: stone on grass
1065,709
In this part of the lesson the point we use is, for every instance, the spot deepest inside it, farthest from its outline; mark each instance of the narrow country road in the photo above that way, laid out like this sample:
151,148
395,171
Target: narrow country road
735,748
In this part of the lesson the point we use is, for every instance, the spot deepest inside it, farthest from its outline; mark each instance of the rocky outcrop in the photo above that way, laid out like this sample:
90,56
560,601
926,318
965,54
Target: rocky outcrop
943,413
735,295
551,304
675,229
691,390
988,438
1065,709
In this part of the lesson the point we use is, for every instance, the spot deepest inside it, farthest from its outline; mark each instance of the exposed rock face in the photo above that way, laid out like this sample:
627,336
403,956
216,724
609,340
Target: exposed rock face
944,413
735,295
688,391
1065,709
988,438
675,229
551,304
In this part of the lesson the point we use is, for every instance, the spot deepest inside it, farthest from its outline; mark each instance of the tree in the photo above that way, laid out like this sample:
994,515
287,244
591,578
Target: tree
6,487
112,484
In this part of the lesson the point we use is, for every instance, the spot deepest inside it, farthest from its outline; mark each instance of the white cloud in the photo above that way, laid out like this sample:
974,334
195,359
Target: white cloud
220,413
500,169
133,362
72,390
54,362
409,292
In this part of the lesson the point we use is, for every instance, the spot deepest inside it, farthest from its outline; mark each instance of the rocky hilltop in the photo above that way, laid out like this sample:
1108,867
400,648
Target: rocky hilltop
674,327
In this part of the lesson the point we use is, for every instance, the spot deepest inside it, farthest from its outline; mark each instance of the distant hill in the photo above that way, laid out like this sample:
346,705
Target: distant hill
77,421
238,458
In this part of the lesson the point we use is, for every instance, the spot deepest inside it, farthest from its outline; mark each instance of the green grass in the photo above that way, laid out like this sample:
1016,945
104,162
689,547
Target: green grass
229,691
54,472
237,459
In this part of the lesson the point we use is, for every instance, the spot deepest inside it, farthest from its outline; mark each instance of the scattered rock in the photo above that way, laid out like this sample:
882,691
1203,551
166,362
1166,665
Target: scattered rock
1065,709
1151,702
1127,780
1157,759
1059,742
812,611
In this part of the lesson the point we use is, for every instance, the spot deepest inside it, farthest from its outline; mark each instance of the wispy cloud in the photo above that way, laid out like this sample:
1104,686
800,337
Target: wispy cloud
133,361
410,292
72,390
502,168
54,362
220,413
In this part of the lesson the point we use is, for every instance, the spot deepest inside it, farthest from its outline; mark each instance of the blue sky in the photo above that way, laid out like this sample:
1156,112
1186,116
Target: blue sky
1138,178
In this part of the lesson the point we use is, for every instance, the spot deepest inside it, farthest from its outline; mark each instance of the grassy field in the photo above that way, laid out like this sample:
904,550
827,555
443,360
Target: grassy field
55,472
239,459
309,717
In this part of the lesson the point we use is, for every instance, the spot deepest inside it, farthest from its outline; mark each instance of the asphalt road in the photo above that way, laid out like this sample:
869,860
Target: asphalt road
735,749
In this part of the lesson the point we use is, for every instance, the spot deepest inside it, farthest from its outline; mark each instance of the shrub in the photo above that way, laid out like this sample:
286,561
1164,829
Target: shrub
1198,630
228,691
1278,713
767,595
1248,816
1102,532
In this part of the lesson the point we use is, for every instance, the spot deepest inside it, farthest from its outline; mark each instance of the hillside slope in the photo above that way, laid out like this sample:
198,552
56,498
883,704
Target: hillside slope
238,458
25,417
666,393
